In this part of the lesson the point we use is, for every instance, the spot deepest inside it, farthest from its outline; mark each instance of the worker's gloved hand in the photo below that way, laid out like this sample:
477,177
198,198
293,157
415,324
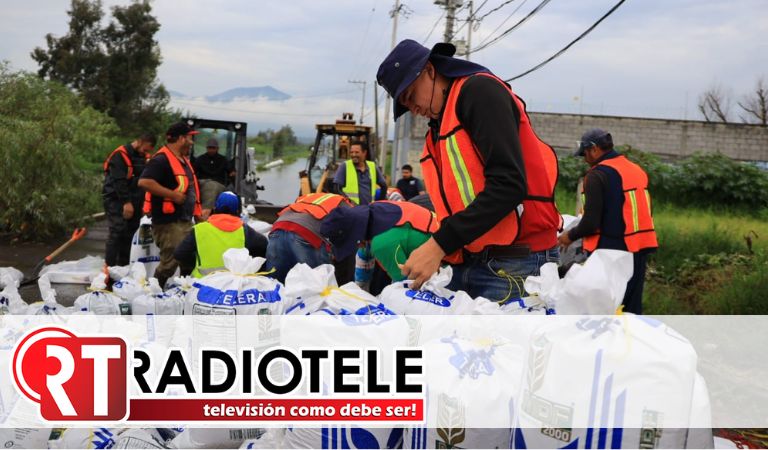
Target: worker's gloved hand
423,263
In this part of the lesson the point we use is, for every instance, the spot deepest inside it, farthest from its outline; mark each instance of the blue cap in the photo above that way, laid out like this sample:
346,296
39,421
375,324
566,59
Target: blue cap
227,203
347,227
592,137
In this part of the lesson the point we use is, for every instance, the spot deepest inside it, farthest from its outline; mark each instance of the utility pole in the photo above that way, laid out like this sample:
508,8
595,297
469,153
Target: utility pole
450,17
376,115
388,104
362,106
471,20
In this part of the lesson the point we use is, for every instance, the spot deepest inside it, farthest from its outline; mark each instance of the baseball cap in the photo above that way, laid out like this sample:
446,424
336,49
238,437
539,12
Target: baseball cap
180,129
212,142
592,137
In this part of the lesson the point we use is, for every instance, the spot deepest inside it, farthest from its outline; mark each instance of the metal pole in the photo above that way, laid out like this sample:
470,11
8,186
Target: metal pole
362,106
450,16
388,104
471,20
395,152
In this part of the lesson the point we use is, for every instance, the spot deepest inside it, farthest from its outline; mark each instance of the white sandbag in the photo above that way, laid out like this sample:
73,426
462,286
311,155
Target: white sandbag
81,271
49,305
304,287
469,380
11,301
260,226
596,287
433,298
84,438
143,247
180,286
271,438
140,438
531,305
240,289
215,437
8,394
343,436
133,285
24,437
100,301
10,276
157,302
699,433
615,364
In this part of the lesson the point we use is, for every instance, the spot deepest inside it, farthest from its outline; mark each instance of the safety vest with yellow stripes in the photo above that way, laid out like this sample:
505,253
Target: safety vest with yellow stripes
454,175
351,186
318,205
183,184
639,232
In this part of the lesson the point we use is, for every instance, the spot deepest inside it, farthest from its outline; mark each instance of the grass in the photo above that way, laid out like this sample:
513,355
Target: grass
709,261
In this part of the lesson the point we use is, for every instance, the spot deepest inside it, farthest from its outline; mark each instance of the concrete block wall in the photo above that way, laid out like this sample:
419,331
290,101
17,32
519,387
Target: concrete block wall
670,139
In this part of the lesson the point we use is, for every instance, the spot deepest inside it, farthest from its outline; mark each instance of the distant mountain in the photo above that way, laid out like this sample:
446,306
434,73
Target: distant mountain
176,94
251,93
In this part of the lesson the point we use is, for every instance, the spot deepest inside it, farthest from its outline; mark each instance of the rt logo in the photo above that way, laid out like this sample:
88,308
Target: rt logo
73,378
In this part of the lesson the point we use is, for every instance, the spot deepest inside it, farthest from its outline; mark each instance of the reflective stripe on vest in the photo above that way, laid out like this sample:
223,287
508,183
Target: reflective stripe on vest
212,242
182,184
318,205
351,186
639,231
420,218
454,175
124,153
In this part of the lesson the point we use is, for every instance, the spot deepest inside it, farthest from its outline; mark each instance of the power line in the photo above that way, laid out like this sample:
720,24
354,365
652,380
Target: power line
513,27
433,28
563,50
471,17
249,111
504,22
494,10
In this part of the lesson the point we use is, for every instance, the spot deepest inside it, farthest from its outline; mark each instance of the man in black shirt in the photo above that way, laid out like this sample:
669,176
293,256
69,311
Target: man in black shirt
123,197
490,177
213,172
174,195
409,185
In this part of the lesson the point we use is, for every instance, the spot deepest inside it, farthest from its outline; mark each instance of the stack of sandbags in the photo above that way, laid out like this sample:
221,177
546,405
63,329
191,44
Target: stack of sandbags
157,302
132,285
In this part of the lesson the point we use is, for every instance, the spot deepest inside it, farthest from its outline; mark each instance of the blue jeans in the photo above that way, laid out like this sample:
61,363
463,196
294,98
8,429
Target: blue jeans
499,279
286,249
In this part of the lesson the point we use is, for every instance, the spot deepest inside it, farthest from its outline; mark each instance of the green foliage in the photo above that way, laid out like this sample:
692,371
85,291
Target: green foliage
704,180
114,67
49,136
279,140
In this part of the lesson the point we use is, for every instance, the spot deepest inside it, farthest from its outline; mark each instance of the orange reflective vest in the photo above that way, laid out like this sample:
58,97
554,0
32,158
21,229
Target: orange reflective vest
419,217
317,205
182,184
122,151
453,172
639,232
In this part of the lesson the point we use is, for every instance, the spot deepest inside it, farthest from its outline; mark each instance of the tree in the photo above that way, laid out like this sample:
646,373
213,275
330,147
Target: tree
715,104
282,138
113,67
756,105
49,137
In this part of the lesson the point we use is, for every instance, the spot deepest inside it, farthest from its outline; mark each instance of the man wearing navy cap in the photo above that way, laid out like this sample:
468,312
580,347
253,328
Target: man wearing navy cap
201,252
490,178
617,210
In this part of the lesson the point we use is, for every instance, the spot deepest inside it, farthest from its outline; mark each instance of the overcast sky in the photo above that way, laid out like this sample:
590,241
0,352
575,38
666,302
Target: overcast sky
651,58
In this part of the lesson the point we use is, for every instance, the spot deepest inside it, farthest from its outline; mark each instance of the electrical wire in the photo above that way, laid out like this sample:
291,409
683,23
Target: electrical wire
564,49
513,27
503,23
423,41
471,17
494,10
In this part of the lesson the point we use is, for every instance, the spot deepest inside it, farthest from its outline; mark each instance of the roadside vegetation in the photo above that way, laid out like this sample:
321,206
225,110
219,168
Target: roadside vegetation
270,145
711,217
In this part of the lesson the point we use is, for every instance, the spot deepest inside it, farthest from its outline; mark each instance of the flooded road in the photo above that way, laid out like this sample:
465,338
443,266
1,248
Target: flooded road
281,184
